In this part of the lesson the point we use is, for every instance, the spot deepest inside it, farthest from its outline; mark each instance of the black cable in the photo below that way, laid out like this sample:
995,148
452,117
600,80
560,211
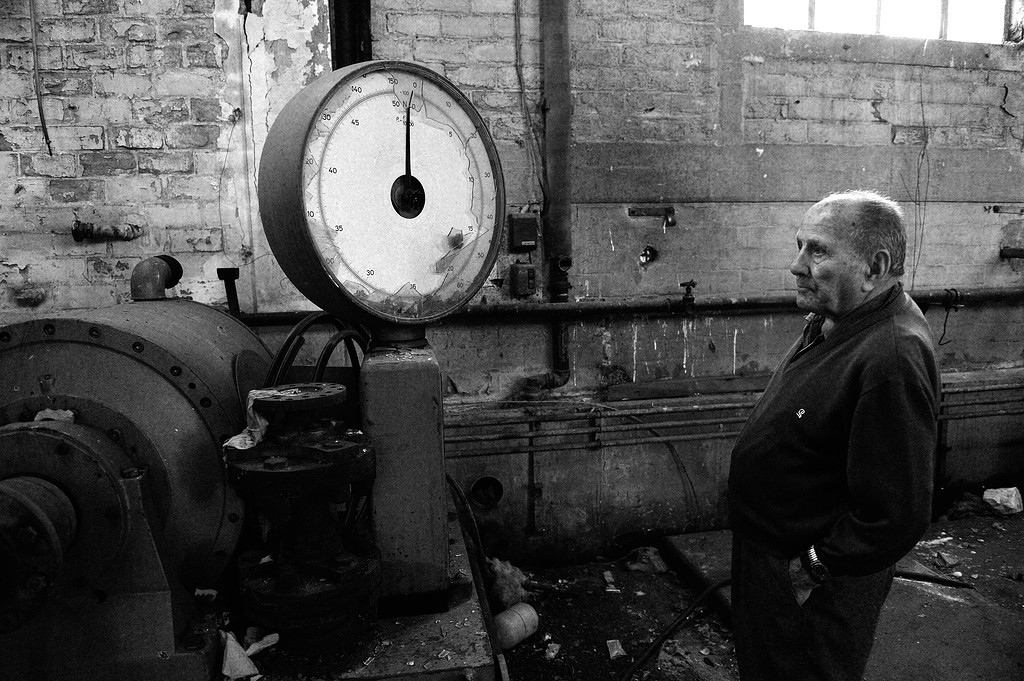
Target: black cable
474,530
35,75
328,351
286,355
681,469
652,649
282,359
934,579
952,304
697,602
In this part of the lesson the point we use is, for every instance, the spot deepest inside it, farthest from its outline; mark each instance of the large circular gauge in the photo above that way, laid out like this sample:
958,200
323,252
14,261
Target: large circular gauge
381,193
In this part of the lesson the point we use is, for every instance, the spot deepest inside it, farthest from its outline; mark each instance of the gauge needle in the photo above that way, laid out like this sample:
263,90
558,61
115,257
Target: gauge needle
407,195
408,146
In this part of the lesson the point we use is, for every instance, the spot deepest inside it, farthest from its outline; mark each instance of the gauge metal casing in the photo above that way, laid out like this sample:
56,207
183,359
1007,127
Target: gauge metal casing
381,193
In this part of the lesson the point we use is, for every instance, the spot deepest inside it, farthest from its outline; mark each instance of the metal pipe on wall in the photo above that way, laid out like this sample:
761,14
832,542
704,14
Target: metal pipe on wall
557,105
661,305
679,304
621,434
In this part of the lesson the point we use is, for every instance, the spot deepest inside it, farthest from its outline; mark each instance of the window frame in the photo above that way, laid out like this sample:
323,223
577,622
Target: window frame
1010,9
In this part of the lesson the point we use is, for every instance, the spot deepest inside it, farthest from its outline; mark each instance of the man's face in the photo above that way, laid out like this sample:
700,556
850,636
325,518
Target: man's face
830,275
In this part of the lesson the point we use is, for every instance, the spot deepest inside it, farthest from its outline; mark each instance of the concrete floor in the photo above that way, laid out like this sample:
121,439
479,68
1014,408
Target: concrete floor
929,632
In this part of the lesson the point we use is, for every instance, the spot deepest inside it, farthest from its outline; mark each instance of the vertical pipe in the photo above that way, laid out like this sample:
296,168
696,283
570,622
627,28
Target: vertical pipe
557,58
532,489
350,32
228,275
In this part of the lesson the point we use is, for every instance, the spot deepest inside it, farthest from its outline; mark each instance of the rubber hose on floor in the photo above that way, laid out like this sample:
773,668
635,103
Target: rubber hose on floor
670,629
678,622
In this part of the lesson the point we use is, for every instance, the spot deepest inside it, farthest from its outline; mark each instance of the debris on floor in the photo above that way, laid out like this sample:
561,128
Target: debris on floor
615,650
1004,500
515,624
972,543
508,587
590,632
646,559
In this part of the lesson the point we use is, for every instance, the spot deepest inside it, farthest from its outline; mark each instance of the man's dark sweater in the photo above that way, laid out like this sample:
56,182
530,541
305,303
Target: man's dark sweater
839,451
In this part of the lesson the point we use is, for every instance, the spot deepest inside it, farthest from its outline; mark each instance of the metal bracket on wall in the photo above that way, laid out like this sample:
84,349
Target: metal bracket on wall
668,213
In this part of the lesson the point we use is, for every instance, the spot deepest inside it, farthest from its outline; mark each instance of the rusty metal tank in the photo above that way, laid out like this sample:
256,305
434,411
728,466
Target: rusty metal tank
114,505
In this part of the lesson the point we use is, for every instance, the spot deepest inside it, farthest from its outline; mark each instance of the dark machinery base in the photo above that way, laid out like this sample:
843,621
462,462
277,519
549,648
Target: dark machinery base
457,644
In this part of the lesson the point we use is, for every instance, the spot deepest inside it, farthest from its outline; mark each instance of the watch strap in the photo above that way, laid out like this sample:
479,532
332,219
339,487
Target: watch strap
815,568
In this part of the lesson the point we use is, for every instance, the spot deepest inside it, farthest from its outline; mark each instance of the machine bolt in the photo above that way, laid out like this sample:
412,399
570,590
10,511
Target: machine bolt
138,347
114,434
49,329
94,332
5,337
175,370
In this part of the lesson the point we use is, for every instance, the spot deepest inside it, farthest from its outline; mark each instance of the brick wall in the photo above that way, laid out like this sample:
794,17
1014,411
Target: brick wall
644,71
157,112
761,124
132,99
472,43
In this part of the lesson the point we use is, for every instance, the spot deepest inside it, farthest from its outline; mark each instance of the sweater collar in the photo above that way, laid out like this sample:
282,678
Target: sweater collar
863,316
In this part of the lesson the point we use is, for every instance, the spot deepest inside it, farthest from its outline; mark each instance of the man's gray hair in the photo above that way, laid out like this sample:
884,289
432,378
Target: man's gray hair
881,226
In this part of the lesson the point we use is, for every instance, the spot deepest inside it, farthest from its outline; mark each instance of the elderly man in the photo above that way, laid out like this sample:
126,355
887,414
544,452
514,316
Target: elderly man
831,477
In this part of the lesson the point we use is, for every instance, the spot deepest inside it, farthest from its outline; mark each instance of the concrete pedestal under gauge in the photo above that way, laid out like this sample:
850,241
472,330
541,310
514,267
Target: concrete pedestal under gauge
114,506
402,417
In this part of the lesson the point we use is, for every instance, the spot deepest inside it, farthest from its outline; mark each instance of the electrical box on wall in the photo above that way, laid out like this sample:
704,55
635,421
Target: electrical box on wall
522,279
522,232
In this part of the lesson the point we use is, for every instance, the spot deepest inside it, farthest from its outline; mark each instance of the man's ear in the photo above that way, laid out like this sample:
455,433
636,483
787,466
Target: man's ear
878,269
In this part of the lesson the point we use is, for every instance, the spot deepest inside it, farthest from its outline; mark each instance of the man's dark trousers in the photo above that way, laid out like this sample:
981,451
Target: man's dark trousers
828,638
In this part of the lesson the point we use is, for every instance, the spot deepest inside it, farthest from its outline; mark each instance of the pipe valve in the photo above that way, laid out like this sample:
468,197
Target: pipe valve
689,302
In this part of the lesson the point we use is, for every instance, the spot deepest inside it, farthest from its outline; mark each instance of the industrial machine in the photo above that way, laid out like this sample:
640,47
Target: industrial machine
382,197
308,562
114,504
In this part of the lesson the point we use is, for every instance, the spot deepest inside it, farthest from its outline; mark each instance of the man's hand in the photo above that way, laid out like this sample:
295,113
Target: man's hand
803,584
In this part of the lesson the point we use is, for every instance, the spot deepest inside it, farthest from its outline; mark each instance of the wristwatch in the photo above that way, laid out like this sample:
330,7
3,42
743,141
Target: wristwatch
815,568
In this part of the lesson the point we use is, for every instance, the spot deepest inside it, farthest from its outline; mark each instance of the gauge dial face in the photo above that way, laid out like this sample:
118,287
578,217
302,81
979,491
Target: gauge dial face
401,193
